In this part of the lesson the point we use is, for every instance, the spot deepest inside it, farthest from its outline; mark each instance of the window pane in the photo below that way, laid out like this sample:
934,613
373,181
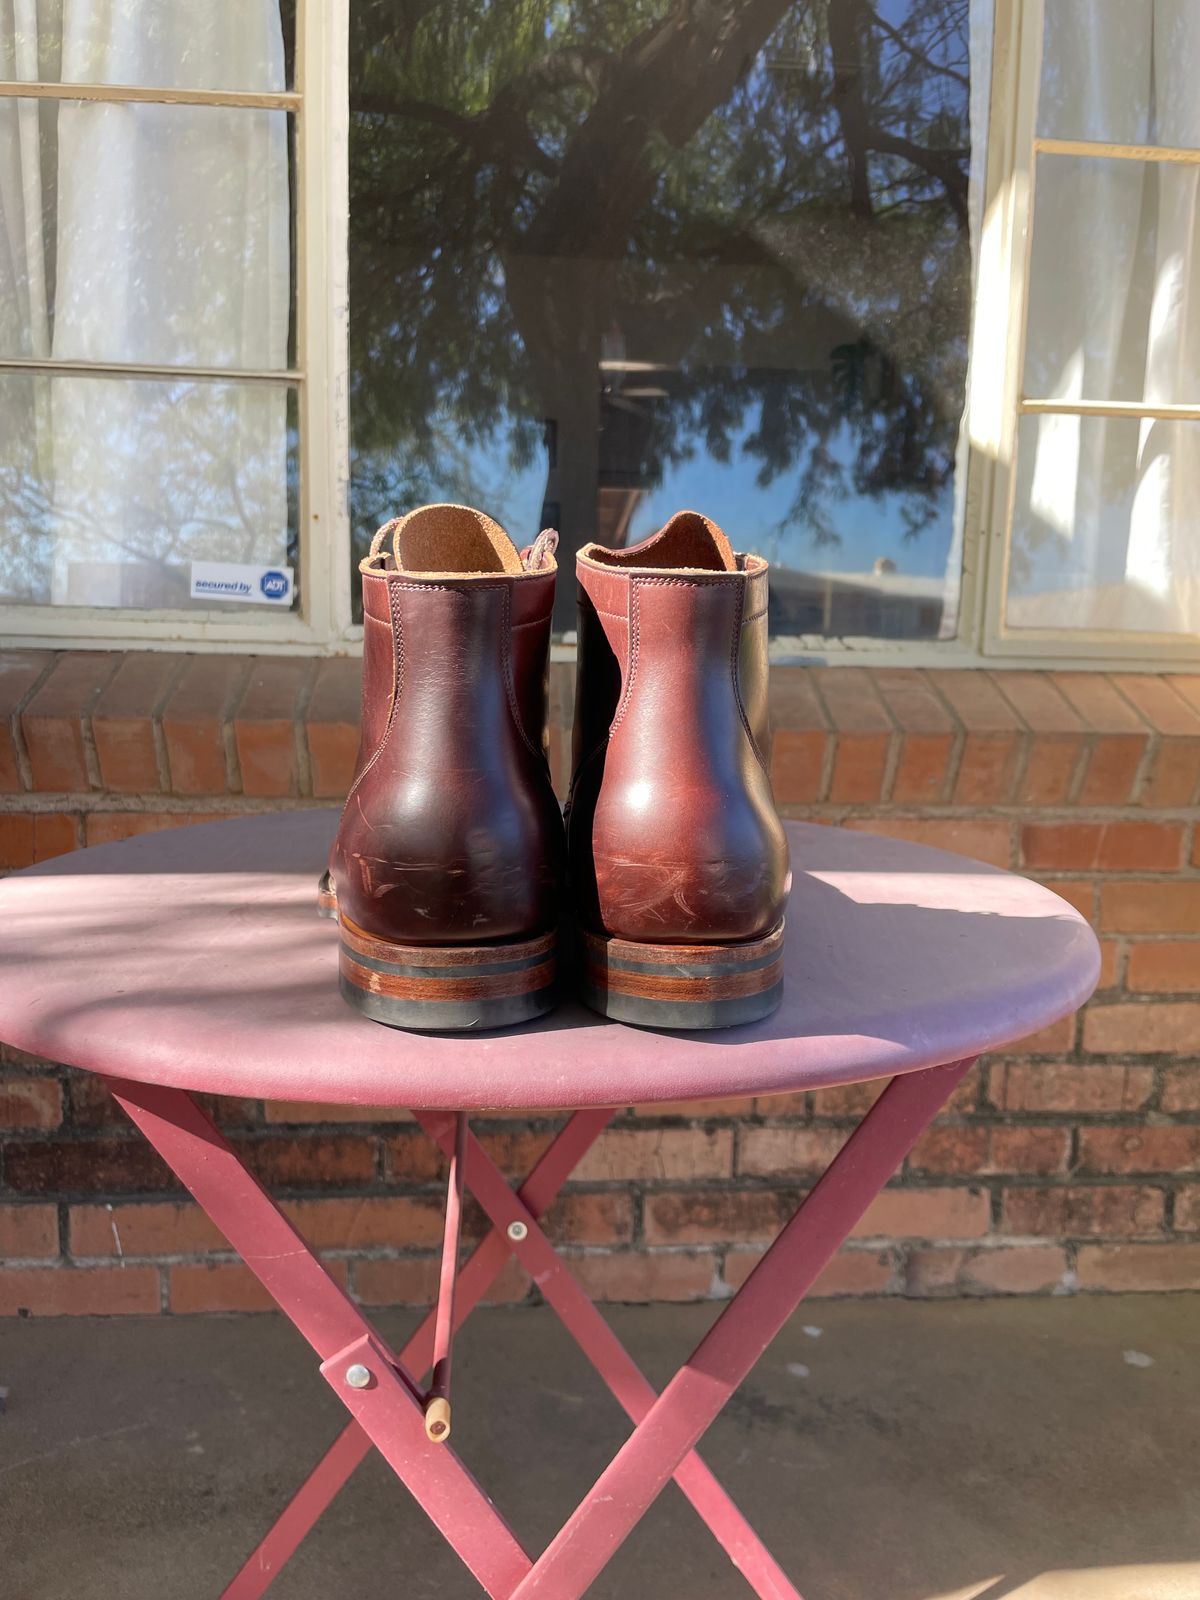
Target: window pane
629,257
1120,71
164,234
111,488
1106,532
1114,296
177,44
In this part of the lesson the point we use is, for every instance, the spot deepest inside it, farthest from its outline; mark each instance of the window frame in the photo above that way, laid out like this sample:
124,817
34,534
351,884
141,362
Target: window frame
998,348
322,622
318,103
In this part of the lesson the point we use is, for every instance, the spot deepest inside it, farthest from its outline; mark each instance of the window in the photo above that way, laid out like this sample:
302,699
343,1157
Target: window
1099,492
627,258
908,314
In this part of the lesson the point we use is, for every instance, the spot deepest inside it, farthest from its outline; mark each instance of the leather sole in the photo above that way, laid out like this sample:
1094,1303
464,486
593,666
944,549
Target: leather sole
682,986
447,988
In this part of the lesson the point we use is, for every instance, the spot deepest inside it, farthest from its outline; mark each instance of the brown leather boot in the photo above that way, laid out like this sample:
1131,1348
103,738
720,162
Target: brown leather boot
445,876
678,860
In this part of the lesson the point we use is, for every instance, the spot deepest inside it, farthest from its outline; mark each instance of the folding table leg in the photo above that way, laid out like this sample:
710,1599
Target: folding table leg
633,1392
352,1445
694,1397
388,1405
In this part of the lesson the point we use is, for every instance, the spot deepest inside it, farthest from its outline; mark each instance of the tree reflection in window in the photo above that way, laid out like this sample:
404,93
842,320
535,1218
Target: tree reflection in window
605,250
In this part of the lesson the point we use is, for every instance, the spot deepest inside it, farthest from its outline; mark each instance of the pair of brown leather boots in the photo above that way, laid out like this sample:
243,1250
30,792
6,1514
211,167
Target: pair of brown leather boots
453,872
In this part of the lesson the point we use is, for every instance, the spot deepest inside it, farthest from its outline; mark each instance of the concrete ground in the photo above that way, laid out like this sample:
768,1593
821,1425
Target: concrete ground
1032,1450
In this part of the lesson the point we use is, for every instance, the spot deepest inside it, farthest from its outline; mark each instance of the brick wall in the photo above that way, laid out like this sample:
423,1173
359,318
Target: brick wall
1070,1163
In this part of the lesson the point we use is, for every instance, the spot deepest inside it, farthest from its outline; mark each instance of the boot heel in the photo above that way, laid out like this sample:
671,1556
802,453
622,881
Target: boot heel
447,988
682,986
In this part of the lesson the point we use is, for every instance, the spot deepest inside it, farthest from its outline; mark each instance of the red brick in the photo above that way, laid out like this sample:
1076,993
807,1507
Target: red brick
55,715
1077,892
265,726
27,1232
925,1214
1072,1213
68,1292
309,1111
1112,769
163,1228
20,671
16,841
1022,1269
516,1150
1032,1269
1187,687
332,725
678,1155
108,827
224,1286
994,738
315,1160
980,838
799,737
1104,846
605,1218
1187,1209
974,1149
788,1152
1057,737
718,1216
1132,906
1143,1029
413,1281
846,1099
1122,737
699,1110
1169,1149
83,1166
928,736
864,733
1126,1267
636,1278
55,833
797,766
1173,774
1110,962
123,722
194,722
1059,1086
30,1103
412,1158
1169,967
1181,1089
1054,1040
851,1272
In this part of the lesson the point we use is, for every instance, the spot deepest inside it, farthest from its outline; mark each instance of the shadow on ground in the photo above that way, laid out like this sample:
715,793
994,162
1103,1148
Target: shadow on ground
1000,1450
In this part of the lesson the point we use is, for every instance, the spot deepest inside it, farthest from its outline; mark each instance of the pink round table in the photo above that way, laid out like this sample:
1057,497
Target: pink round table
193,960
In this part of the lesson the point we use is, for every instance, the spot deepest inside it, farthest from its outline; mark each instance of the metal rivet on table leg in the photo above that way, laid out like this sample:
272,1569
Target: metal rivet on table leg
518,1231
358,1376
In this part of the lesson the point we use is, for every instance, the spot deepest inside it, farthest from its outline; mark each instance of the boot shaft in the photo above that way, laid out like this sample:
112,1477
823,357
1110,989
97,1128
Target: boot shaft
673,835
451,833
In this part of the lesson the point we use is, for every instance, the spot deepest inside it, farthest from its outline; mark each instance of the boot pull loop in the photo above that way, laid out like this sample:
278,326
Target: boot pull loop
384,533
533,557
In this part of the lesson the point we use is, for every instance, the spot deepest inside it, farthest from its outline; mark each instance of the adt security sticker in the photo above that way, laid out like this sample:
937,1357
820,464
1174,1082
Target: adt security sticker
234,580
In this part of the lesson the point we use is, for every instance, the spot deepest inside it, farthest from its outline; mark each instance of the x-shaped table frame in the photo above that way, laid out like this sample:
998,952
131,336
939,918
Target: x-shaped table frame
387,1411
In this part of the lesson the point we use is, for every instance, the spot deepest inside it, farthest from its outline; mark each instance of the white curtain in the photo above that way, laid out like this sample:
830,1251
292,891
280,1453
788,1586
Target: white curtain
149,234
1107,526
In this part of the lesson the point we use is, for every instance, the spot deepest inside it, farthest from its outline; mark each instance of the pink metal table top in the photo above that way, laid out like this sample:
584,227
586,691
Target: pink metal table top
194,958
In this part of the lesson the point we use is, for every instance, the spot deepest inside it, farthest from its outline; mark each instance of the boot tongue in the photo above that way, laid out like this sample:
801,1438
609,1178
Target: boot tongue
688,540
452,541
